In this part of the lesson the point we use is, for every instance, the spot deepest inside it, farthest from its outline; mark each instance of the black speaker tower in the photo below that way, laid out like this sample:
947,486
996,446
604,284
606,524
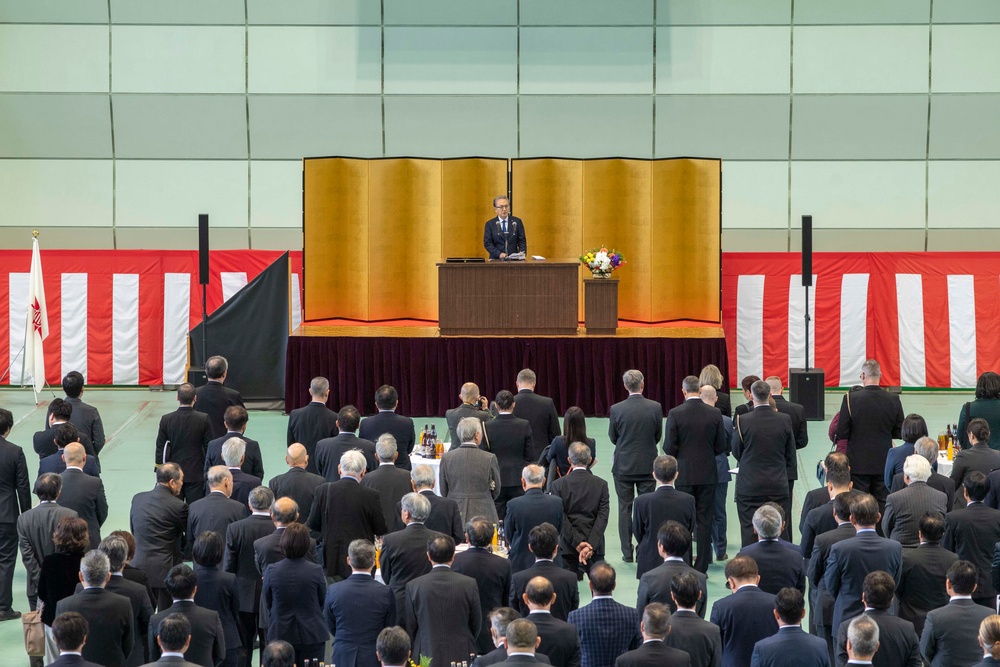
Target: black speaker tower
196,376
805,385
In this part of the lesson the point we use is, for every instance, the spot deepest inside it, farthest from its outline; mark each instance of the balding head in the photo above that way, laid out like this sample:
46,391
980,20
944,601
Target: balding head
297,456
708,394
284,511
74,455
220,479
469,393
774,382
533,476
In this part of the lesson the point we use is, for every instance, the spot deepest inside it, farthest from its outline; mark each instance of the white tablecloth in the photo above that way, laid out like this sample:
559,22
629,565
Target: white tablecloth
943,464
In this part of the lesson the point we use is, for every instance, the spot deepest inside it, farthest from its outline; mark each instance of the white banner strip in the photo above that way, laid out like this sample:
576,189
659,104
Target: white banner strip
296,303
910,309
962,330
853,327
176,316
73,323
18,311
232,282
125,329
796,322
749,327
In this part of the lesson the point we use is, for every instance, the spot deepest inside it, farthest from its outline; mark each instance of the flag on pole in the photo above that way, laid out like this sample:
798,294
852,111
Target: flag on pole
37,326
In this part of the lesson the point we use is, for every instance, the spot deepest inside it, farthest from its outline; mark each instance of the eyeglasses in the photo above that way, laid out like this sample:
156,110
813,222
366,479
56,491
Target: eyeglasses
502,206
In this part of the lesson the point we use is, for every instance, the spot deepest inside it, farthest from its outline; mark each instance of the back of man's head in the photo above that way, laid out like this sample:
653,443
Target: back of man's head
319,386
393,646
500,618
862,638
441,549
742,568
361,554
65,434
70,631
864,510
633,381
602,578
236,417
685,589
917,468
932,526
6,421
417,505
469,393
665,468
72,384
468,428
656,620
74,454
185,394
180,582
94,568
539,592
761,391
674,538
284,511
976,486
168,472
842,505
690,385
260,499
386,397
526,378
278,654
353,464
296,455
348,419
48,486
533,476
962,577
385,448
116,549
878,588
790,603
233,451
927,448
216,367
479,531
422,477
217,477
767,522
60,409
579,454
208,549
543,540
505,400
522,635
871,369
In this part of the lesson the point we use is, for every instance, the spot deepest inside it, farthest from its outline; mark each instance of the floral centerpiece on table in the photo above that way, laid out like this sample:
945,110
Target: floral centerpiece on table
424,662
602,261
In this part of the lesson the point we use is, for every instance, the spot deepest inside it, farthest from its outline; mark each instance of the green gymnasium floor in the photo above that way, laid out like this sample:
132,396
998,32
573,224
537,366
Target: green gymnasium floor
131,417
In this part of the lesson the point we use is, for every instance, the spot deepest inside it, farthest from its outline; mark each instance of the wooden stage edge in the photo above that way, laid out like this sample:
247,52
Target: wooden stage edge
347,329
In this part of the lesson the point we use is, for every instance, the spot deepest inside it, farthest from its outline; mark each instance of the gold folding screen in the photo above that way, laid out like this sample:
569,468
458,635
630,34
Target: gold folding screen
374,229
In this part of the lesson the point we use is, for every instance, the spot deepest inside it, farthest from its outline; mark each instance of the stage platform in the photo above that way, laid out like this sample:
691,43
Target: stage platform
429,369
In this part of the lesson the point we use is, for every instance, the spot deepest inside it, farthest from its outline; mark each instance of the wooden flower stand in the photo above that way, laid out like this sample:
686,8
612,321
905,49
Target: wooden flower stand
600,304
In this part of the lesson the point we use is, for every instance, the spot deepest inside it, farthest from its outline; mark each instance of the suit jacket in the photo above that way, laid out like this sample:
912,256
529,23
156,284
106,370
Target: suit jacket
524,513
392,483
443,615
344,511
764,446
73,661
898,645
791,647
298,484
744,618
921,585
978,457
54,463
310,424
212,399
87,421
563,583
817,522
208,645
109,615
157,521
497,241
649,512
993,495
170,661
936,481
135,575
142,611
586,508
188,433
240,557
972,533
215,512
949,636
894,460
404,558
560,641
455,415
849,561
267,551
294,591
355,626
540,411
813,499
654,586
253,462
445,517
219,591
44,444
15,492
34,537
398,426
243,484
869,420
797,413
820,597
606,629
471,477
655,654
779,566
903,510
509,438
697,637
329,451
85,494
695,436
492,575
499,655
635,427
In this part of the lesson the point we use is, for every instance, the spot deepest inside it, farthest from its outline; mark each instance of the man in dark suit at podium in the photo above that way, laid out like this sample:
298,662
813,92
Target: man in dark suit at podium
504,234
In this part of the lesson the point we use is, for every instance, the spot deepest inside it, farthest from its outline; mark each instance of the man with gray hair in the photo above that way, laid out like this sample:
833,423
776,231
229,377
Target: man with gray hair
108,614
862,640
116,549
216,511
391,482
655,627
532,509
779,565
314,422
587,507
540,411
213,397
928,448
344,511
234,453
470,475
904,508
404,552
35,528
445,517
473,405
635,428
237,419
499,620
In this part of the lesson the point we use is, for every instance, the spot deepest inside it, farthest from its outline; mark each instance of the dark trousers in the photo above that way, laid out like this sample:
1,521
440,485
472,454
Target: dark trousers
874,485
234,657
745,507
506,493
704,515
305,652
192,491
571,561
8,556
163,599
627,488
720,524
248,631
787,507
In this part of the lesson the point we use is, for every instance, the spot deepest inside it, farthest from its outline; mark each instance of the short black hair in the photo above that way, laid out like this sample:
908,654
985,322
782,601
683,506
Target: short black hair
789,603
914,428
393,645
879,587
185,394
48,486
72,384
6,421
479,531
864,510
543,540
65,434
441,549
976,485
207,549
741,567
664,468
932,526
386,397
61,409
168,472
842,505
685,588
505,400
962,575
216,367
173,632
70,630
602,578
988,385
674,538
236,417
180,582
278,654
348,419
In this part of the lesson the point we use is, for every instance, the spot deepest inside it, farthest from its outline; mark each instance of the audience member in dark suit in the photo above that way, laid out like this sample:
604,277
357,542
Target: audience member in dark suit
65,434
914,428
509,438
297,483
655,651
543,542
219,591
60,412
35,528
746,616
672,541
862,640
391,482
745,384
314,422
214,398
555,457
236,426
158,519
797,414
357,609
635,428
207,646
404,552
83,493
131,572
60,570
491,572
790,646
778,566
183,439
216,511
503,234
387,421
689,632
904,508
586,509
989,638
116,549
473,405
70,634
329,450
499,620
445,517
108,615
234,455
820,597
540,411
979,456
898,643
173,636
851,559
928,448
822,519
532,509
720,520
521,640
344,511
442,611
392,646
869,420
86,418
820,496
763,444
652,510
925,568
15,498
606,628
972,532
949,636
559,640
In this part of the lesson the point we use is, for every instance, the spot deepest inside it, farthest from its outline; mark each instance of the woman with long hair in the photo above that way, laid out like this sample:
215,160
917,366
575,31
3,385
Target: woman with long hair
574,430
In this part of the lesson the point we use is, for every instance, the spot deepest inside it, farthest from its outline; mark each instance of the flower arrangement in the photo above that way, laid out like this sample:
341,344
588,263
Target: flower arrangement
424,662
602,261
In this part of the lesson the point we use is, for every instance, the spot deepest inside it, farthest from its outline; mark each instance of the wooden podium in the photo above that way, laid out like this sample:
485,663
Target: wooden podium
509,298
